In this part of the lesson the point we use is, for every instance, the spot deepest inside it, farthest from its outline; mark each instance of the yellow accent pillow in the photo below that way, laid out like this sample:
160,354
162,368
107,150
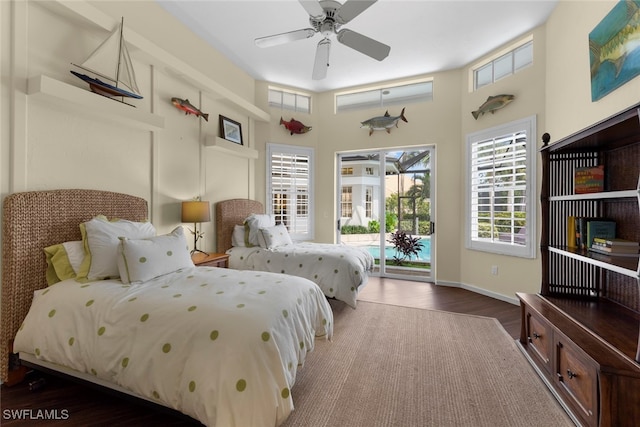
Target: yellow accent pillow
63,261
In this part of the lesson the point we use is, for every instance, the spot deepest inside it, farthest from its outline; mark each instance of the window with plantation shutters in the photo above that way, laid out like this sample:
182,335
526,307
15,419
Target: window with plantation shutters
500,189
289,188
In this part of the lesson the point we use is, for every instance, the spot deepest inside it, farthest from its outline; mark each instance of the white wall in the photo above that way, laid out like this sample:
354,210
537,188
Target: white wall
568,89
46,145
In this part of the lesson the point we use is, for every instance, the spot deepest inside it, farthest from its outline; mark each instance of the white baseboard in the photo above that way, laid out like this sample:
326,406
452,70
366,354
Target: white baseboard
512,300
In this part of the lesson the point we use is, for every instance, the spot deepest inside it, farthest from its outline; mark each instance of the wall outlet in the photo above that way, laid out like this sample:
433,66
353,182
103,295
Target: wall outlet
494,270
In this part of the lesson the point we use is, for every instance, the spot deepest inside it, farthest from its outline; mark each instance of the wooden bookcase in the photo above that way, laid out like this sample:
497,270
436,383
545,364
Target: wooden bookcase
582,331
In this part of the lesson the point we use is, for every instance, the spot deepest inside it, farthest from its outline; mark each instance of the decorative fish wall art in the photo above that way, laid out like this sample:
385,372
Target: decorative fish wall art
294,126
492,104
385,122
614,49
188,108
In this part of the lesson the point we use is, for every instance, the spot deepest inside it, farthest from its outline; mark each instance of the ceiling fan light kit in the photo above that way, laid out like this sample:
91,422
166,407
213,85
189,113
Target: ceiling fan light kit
326,17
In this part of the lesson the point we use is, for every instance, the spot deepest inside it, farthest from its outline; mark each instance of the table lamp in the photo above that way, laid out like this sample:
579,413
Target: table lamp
196,211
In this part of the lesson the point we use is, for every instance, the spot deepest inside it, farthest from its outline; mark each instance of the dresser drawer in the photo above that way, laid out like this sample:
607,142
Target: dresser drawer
577,377
539,340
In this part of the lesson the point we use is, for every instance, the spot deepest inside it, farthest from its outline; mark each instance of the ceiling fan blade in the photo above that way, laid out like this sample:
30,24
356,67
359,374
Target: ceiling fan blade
291,36
314,9
322,59
363,44
352,8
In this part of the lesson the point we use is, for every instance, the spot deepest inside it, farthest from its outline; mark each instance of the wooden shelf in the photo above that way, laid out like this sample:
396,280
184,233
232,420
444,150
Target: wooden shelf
229,147
74,98
620,264
597,196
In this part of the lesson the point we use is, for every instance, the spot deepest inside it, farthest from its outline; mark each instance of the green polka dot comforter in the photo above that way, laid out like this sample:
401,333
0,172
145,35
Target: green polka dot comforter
339,270
219,345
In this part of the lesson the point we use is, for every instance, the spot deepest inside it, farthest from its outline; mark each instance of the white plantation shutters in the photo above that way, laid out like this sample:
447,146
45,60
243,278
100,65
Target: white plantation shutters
500,187
289,187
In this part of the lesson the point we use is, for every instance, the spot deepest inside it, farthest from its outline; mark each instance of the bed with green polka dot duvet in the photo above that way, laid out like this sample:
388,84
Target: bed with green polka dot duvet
340,270
220,345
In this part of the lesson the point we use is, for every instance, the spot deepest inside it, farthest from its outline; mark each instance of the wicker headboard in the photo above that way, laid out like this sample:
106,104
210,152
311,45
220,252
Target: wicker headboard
230,213
34,220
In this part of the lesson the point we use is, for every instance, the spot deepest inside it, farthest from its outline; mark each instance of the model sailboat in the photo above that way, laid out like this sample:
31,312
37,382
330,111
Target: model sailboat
111,61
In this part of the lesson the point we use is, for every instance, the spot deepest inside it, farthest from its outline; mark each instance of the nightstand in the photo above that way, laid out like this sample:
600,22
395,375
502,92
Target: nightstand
210,260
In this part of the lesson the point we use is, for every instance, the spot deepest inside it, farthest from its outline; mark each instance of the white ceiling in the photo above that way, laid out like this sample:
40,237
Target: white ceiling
425,36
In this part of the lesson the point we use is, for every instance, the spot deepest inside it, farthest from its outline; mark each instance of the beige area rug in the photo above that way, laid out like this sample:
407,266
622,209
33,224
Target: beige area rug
397,366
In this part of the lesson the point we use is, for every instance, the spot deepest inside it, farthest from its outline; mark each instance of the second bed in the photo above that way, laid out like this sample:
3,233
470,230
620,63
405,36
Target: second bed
339,270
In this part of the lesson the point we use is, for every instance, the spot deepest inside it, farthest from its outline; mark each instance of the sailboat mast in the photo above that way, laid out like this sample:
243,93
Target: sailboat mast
120,50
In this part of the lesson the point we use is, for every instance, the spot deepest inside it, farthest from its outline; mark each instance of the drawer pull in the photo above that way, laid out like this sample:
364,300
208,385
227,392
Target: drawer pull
537,336
571,374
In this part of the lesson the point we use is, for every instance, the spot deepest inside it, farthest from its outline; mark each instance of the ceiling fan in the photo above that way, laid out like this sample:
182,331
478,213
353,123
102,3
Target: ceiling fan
326,17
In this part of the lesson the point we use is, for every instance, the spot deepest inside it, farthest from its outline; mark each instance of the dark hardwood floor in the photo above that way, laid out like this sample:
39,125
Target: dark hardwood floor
79,404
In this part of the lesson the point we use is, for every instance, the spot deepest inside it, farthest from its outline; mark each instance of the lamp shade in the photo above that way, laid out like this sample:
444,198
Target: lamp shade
196,211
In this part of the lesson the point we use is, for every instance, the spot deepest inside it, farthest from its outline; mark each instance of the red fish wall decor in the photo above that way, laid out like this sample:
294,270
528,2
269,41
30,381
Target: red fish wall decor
294,126
188,108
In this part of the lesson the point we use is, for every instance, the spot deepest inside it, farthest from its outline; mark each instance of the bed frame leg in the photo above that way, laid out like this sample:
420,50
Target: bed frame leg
17,372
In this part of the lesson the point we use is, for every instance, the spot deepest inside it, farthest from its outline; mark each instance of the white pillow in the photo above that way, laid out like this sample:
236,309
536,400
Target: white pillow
255,222
100,238
237,238
276,236
140,260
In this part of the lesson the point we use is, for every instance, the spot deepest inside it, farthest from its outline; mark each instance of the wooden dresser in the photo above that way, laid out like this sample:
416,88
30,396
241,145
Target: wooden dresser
582,331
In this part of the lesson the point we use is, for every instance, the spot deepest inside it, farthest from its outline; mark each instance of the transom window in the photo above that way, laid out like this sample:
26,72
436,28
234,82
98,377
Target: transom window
385,96
287,100
504,65
500,189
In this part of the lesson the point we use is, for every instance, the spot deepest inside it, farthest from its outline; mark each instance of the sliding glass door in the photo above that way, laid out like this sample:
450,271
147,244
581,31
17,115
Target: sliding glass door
385,205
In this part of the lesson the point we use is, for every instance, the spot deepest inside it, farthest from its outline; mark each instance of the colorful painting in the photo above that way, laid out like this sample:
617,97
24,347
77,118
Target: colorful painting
614,47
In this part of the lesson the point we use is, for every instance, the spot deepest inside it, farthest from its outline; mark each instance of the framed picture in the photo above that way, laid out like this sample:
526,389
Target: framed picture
614,56
230,130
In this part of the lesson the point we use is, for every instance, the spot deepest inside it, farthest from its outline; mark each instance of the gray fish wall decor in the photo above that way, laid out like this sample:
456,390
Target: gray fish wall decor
385,122
492,104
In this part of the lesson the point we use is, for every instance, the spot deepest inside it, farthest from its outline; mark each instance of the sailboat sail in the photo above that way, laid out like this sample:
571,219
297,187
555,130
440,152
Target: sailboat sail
111,61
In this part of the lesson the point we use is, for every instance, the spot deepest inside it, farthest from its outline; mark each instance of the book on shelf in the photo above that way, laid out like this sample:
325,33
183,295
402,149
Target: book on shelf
600,228
586,229
572,241
615,242
616,249
588,179
604,251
